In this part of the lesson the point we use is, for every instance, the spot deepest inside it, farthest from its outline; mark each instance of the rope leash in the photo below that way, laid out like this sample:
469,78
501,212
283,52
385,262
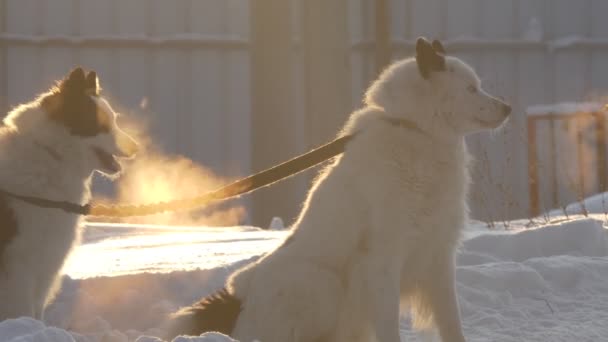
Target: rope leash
240,187
232,190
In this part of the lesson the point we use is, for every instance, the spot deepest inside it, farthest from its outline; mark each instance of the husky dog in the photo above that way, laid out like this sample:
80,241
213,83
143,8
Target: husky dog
49,148
380,226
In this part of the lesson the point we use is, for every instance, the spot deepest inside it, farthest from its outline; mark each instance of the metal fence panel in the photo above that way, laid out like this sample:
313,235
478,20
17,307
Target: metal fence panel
183,66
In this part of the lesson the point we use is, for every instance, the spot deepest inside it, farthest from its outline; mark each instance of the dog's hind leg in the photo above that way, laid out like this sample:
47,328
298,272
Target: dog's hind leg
290,301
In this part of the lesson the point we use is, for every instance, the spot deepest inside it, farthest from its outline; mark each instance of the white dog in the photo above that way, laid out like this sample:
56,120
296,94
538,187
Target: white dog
380,225
49,149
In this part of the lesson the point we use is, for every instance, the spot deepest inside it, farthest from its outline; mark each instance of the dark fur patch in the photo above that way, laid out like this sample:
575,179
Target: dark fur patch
217,312
70,104
8,227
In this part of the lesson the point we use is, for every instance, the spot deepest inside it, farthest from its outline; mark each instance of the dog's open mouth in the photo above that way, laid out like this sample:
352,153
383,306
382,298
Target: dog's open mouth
108,161
488,124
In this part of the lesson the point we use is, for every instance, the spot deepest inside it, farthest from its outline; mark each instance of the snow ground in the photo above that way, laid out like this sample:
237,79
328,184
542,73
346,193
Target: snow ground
548,283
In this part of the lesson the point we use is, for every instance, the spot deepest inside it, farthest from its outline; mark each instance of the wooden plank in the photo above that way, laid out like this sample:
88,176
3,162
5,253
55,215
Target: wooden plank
600,150
382,35
581,161
533,169
566,161
327,71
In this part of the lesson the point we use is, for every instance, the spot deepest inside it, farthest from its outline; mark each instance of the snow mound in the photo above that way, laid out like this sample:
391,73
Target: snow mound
27,329
584,237
548,283
596,204
544,284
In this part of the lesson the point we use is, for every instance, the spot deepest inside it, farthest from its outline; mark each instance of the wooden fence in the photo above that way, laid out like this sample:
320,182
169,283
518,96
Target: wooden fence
572,161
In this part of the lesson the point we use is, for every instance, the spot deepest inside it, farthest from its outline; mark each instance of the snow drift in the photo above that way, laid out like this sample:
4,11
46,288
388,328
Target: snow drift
548,283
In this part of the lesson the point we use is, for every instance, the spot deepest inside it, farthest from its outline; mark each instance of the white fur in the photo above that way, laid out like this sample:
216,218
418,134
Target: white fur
380,224
29,146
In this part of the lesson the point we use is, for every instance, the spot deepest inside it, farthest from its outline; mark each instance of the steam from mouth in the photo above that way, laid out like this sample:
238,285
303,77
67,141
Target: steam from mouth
153,176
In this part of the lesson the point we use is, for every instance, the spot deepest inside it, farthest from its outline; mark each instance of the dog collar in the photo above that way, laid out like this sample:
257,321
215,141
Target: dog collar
404,123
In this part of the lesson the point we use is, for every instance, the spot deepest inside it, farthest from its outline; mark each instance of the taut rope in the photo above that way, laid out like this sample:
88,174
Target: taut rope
232,190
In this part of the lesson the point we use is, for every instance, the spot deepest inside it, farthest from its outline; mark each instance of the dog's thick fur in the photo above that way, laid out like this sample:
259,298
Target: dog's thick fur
49,148
380,225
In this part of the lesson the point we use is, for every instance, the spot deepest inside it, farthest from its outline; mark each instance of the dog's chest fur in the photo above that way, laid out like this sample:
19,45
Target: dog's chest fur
38,239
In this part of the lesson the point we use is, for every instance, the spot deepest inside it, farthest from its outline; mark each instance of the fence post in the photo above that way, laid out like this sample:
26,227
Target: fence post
272,105
532,168
383,35
327,72
600,148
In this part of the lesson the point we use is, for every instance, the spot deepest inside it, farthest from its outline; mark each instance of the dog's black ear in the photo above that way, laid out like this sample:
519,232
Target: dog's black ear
437,46
427,58
75,81
92,83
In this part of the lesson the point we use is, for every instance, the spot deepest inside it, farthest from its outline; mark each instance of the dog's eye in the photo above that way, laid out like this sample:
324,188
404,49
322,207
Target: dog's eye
472,89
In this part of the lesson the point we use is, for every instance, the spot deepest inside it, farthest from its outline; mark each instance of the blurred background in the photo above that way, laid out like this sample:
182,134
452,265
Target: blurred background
237,86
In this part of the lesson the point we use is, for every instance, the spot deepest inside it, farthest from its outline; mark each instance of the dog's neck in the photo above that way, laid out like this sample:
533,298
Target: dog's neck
49,150
404,123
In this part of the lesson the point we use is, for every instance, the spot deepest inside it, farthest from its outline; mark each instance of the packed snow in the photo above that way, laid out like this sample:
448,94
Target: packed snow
546,283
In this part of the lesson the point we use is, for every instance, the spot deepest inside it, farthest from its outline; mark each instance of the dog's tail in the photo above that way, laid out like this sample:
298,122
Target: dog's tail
216,312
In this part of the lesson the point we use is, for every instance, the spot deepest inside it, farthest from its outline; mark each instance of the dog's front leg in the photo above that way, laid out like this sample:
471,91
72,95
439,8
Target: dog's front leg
383,291
444,304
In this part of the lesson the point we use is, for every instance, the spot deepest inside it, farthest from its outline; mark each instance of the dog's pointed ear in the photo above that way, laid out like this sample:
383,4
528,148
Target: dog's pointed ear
428,59
75,81
437,46
92,83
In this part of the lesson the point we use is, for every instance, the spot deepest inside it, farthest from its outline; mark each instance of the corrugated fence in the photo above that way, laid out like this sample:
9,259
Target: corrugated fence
184,67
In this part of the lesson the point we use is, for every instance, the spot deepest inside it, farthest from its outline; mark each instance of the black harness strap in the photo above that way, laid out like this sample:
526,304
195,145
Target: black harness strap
69,207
